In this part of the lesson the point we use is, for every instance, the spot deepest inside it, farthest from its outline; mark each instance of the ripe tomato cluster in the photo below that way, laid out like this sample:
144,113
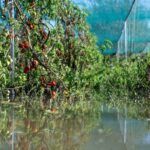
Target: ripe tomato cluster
33,65
51,85
24,45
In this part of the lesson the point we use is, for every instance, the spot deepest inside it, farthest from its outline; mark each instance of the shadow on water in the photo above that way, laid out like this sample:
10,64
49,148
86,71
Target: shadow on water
114,128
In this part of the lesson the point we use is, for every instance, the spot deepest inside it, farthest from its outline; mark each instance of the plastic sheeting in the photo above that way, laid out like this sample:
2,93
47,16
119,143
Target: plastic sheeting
125,22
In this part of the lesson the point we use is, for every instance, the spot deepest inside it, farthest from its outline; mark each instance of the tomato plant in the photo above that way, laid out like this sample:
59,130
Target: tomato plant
54,48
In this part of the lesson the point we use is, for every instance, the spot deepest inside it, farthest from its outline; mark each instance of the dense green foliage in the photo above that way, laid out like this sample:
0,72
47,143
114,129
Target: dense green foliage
126,76
52,43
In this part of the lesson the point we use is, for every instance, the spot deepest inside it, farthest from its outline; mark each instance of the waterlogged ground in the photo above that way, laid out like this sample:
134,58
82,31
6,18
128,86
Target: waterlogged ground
118,131
112,129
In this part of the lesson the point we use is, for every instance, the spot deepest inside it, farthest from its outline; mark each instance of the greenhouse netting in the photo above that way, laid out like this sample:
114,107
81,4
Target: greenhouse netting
125,22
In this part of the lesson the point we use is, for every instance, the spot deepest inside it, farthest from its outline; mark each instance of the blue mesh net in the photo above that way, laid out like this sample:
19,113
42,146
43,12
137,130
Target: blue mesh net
125,23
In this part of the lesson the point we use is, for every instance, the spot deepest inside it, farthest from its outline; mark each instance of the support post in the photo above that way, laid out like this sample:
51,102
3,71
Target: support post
12,43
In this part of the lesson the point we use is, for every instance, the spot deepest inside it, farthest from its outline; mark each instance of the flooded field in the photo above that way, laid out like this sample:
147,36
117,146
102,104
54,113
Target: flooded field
111,129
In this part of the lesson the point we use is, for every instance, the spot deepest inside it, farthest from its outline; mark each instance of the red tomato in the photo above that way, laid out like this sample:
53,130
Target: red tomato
21,45
26,69
53,94
34,63
53,83
31,26
24,45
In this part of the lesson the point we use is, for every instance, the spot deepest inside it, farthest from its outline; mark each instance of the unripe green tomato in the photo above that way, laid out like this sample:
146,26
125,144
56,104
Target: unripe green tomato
8,62
0,64
34,13
23,78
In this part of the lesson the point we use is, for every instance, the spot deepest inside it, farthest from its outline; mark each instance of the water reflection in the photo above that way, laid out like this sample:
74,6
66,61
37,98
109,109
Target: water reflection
120,131
33,132
113,129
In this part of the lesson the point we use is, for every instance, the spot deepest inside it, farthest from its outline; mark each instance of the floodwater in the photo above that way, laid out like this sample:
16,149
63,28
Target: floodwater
112,129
